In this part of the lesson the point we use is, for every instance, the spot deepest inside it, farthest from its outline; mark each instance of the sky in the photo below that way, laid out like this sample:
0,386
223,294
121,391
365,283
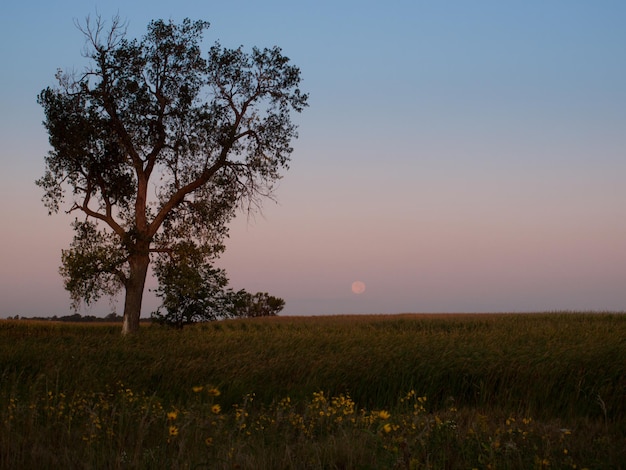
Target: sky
456,156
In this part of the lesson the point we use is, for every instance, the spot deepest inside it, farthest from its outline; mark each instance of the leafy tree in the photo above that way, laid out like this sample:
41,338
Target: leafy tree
261,304
158,147
191,289
194,291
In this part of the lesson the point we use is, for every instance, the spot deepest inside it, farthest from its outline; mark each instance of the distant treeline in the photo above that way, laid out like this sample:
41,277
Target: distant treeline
77,317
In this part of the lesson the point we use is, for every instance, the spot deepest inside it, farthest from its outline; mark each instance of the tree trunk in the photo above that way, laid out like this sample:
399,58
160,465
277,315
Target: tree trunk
134,292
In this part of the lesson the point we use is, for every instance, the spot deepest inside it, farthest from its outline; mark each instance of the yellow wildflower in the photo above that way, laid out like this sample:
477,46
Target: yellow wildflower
387,427
213,392
208,441
173,431
197,389
382,414
172,415
216,409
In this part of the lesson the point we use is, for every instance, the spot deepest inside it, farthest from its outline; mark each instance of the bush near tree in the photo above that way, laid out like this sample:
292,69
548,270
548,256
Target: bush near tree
260,304
193,291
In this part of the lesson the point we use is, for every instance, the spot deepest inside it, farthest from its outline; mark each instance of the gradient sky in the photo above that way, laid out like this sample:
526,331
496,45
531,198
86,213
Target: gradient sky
457,156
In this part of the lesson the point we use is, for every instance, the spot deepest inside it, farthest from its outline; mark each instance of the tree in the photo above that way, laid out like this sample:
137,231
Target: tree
195,293
191,289
261,304
158,147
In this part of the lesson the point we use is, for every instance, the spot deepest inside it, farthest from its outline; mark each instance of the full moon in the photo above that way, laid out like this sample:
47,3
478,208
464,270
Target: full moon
358,287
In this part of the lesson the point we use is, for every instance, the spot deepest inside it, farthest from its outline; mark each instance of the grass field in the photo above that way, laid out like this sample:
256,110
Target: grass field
498,391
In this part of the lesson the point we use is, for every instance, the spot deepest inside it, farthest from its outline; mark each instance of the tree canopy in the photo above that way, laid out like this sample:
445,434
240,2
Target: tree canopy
157,146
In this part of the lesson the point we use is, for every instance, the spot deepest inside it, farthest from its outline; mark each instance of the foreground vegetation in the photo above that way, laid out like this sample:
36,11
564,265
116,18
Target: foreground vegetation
407,392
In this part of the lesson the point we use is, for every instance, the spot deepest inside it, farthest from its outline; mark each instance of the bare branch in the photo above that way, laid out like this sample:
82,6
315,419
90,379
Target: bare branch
99,38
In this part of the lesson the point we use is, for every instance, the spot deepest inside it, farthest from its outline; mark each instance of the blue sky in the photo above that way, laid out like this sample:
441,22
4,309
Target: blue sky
456,156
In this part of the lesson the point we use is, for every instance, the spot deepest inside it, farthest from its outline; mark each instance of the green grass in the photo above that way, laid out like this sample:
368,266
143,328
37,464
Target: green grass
510,391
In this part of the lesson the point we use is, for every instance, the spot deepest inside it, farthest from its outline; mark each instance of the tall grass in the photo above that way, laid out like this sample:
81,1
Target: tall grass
557,371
